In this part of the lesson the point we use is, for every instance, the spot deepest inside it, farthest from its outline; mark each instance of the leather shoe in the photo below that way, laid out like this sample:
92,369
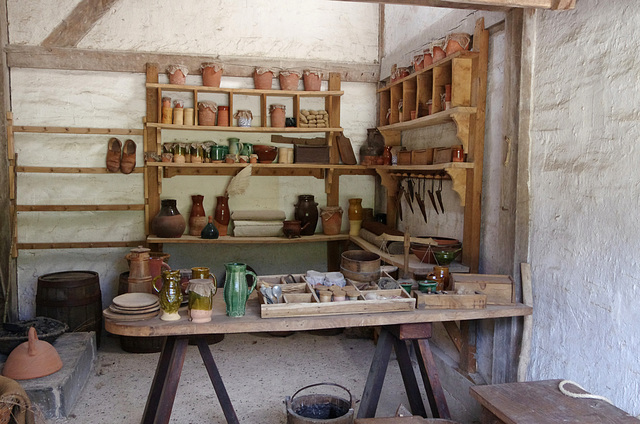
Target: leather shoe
128,162
113,155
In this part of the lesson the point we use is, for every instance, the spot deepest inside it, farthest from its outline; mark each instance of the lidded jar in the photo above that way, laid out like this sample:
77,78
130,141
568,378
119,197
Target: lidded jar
177,74
307,213
211,74
207,113
277,115
262,78
331,219
168,223
200,292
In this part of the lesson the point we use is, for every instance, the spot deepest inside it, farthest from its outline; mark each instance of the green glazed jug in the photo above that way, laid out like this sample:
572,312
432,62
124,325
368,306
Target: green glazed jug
236,289
170,295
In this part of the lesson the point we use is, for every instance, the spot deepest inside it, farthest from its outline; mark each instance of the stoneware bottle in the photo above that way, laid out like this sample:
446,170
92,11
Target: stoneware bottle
236,289
307,213
222,214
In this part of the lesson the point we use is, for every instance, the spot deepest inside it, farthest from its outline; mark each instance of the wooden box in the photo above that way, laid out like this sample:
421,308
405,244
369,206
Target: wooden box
450,300
404,157
442,155
498,288
300,300
310,154
422,157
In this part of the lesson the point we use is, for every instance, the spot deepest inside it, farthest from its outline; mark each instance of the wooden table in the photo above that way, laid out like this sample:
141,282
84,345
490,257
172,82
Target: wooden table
398,329
541,402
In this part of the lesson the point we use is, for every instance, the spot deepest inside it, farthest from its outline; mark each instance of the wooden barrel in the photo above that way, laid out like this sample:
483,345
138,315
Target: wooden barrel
73,297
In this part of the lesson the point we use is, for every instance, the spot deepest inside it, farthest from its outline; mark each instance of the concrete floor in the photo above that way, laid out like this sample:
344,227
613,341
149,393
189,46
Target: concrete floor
259,371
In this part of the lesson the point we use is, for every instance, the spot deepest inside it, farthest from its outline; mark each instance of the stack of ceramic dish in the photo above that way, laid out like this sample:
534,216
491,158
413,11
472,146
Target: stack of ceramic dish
133,307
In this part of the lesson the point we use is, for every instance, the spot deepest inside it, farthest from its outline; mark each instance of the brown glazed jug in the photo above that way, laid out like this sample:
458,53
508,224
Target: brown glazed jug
222,214
307,213
168,223
197,217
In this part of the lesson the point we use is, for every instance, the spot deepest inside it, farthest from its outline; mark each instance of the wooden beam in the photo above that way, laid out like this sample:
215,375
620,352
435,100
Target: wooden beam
481,4
78,23
38,57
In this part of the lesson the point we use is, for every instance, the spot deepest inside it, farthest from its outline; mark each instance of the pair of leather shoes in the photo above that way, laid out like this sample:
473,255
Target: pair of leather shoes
121,158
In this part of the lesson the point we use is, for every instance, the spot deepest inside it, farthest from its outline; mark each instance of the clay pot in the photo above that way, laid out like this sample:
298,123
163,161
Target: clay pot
207,113
331,219
223,116
211,74
168,223
289,79
291,229
418,62
277,116
177,74
437,51
428,58
311,80
32,359
262,78
457,42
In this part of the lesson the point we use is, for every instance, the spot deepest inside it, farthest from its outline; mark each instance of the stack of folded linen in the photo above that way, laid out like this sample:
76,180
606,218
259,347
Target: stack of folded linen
257,223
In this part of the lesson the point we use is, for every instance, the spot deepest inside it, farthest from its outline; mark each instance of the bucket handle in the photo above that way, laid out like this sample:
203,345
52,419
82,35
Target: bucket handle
325,384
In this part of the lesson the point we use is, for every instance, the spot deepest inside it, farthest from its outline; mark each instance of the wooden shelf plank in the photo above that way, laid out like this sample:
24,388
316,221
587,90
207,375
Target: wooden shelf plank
398,260
242,129
75,208
260,169
70,170
80,245
76,130
425,168
186,239
425,121
245,91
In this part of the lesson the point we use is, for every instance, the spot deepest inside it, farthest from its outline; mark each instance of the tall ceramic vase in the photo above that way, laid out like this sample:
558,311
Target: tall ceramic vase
197,217
355,216
222,215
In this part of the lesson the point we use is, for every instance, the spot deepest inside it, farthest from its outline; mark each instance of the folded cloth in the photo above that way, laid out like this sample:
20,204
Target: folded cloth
257,228
13,396
315,277
259,215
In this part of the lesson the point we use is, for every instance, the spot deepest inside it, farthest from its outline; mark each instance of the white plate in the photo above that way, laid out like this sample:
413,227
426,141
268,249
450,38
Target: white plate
135,300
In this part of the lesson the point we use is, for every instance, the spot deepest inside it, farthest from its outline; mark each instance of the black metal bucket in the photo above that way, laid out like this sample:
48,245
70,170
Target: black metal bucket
319,408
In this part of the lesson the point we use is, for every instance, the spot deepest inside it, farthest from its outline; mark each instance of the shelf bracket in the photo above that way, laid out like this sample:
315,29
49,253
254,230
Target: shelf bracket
389,182
462,121
458,180
392,137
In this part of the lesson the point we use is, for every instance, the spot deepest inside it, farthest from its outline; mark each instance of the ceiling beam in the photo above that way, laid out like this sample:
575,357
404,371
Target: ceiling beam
78,23
38,57
481,4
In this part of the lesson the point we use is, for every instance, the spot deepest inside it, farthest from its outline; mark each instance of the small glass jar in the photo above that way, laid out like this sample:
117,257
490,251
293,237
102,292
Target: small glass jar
197,153
179,153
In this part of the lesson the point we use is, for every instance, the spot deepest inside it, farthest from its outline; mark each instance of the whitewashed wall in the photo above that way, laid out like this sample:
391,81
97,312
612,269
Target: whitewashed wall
584,199
312,30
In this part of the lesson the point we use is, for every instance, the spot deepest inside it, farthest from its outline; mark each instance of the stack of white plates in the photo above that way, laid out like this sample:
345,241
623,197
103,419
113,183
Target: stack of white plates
133,307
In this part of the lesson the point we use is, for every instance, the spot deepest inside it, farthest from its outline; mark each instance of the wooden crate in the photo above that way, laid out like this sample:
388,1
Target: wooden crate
498,288
422,157
450,300
300,300
442,155
404,157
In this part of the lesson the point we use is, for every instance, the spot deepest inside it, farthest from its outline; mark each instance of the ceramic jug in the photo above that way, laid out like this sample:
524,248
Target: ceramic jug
170,295
236,289
235,146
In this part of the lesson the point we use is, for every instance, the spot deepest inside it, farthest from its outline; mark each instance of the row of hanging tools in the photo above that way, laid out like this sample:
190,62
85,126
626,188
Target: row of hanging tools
416,187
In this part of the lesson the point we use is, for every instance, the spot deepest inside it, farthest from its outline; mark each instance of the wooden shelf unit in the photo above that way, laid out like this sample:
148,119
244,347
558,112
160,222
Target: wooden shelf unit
330,172
466,71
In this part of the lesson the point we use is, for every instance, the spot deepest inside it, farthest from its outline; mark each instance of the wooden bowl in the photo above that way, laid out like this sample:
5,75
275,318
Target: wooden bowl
266,154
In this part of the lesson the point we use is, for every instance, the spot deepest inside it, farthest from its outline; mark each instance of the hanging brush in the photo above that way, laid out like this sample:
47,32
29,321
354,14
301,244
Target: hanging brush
239,183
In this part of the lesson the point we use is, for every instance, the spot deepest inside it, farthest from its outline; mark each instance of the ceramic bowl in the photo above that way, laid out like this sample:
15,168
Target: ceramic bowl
266,154
407,287
427,287
445,256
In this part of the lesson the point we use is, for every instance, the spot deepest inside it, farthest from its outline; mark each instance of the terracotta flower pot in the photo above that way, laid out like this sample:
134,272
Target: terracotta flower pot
177,74
289,79
262,78
428,58
438,52
311,80
211,74
207,113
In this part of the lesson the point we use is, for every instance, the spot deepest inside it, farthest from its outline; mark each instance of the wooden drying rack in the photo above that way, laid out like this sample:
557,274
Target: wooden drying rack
14,169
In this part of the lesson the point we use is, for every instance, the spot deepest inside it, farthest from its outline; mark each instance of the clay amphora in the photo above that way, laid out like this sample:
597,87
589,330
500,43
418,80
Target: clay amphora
170,295
197,217
222,214
236,289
